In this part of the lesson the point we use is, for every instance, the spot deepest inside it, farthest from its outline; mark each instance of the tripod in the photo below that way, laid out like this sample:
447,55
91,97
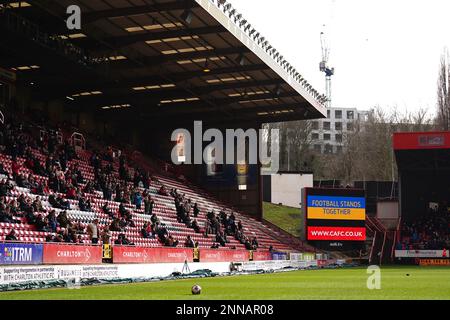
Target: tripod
185,268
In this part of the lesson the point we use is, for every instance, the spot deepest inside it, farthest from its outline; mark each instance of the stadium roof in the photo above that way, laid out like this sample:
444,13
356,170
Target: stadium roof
161,58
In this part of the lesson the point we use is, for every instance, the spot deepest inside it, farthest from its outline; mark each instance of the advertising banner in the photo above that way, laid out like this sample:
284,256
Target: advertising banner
421,253
20,253
336,208
279,256
125,254
336,233
214,255
261,255
71,254
434,262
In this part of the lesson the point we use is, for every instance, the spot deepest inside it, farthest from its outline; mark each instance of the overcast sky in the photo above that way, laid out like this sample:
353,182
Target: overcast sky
385,52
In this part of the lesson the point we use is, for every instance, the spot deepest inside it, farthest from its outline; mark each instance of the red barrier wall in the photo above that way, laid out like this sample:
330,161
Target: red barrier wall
262,256
71,254
213,255
125,254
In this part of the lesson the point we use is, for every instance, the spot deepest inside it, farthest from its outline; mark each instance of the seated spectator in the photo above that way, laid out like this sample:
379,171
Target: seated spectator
37,205
215,246
171,242
79,239
146,231
248,245
11,236
122,240
220,239
5,215
71,192
196,210
52,221
5,188
148,205
161,231
63,220
41,224
78,227
49,238
84,205
154,219
195,226
2,170
67,237
189,243
163,191
88,188
58,202
15,168
107,211
255,243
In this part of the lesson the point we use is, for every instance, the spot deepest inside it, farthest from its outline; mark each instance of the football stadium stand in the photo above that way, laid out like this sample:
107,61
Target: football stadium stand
46,180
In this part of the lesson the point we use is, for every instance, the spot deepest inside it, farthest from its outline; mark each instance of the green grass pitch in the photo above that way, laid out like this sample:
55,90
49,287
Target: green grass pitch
422,283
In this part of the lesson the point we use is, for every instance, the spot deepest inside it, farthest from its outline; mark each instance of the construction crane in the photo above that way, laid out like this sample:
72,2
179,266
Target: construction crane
324,67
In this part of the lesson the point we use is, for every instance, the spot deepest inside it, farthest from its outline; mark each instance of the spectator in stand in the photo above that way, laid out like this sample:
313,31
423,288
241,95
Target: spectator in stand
247,244
63,220
66,236
106,236
42,188
58,202
93,231
189,243
84,205
215,246
163,191
240,226
5,188
138,200
5,215
2,170
154,219
195,226
107,211
79,239
255,244
41,224
171,242
148,205
11,236
71,192
52,221
196,210
115,225
122,240
161,231
78,228
15,168
49,238
37,205
146,230
220,239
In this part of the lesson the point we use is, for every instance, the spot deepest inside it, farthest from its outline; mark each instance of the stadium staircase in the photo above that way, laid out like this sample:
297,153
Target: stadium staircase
383,241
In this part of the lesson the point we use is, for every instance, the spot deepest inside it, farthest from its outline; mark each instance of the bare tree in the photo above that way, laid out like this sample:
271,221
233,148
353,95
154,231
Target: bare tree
443,93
